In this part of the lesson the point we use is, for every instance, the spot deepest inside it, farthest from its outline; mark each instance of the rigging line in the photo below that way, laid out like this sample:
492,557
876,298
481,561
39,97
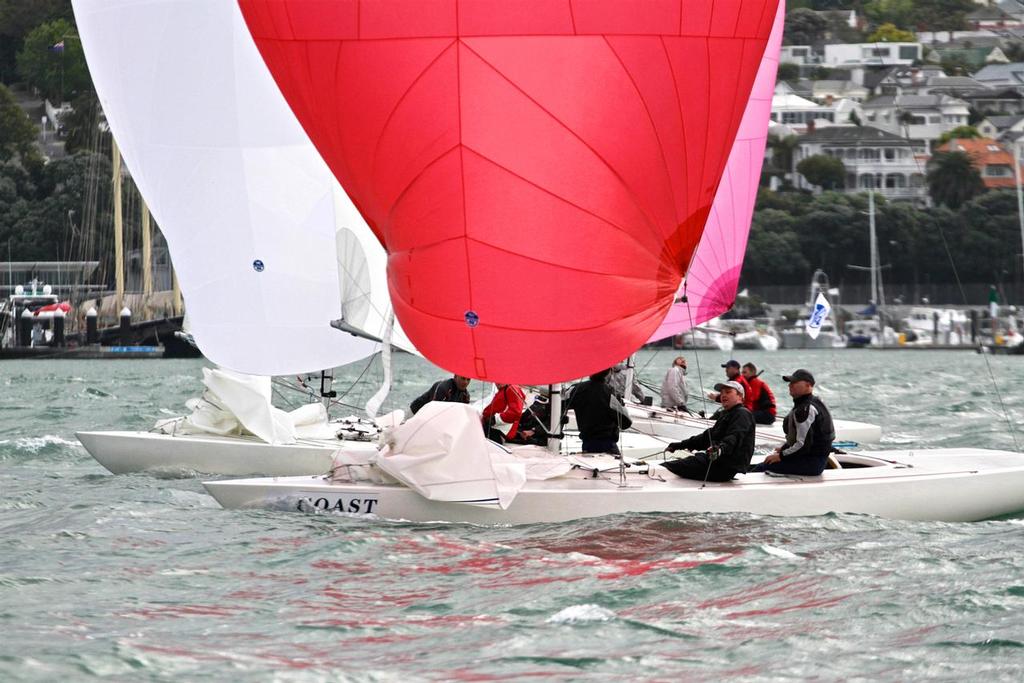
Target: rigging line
700,377
963,296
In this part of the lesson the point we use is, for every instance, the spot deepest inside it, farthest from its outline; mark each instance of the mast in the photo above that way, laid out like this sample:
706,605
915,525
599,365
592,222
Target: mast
555,421
147,254
1020,199
875,266
118,226
176,292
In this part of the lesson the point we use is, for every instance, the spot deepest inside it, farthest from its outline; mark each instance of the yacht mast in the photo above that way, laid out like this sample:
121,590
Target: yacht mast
118,227
147,254
875,265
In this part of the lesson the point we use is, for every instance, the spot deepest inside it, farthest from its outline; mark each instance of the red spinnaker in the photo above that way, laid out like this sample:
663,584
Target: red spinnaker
539,171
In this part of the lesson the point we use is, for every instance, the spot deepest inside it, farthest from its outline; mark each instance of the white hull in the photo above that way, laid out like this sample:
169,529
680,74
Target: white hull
191,454
667,425
947,484
125,452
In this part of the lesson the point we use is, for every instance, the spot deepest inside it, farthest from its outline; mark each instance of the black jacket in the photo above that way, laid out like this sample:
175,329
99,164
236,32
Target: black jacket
809,429
445,390
595,416
733,435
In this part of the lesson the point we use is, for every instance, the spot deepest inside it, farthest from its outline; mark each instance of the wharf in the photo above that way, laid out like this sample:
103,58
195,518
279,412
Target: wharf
80,352
924,347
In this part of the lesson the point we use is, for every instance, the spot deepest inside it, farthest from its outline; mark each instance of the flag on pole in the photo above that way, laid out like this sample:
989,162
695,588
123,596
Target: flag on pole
58,47
818,315
993,302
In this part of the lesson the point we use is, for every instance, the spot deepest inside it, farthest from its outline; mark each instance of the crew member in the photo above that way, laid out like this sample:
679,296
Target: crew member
452,390
809,431
733,374
761,395
502,415
726,447
599,414
673,388
617,381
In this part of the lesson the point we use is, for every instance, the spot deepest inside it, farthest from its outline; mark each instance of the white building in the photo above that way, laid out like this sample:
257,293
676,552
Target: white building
894,165
799,113
798,54
872,54
923,117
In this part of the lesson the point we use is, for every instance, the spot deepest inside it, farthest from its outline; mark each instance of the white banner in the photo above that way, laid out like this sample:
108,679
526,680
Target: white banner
818,315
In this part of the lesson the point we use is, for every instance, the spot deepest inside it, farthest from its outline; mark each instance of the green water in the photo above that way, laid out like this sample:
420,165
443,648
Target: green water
139,578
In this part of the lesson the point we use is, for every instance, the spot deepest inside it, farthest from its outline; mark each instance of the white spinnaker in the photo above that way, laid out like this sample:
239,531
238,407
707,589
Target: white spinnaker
246,204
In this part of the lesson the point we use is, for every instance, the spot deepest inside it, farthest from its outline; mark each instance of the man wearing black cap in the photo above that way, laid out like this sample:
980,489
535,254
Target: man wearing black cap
728,444
809,431
733,374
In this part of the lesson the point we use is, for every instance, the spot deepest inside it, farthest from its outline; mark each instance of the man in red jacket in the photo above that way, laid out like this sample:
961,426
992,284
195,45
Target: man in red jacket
501,416
732,372
760,394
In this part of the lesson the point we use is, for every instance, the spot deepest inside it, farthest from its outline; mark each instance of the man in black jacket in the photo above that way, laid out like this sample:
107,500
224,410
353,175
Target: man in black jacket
728,445
599,414
454,390
809,431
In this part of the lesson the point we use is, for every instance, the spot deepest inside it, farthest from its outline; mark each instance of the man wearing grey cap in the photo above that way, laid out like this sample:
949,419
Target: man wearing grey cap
727,446
809,431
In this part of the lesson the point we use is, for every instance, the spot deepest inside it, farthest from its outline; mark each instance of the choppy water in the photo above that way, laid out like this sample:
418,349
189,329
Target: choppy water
138,578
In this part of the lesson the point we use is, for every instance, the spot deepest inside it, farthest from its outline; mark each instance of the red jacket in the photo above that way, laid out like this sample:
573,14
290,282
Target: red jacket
748,400
760,395
508,404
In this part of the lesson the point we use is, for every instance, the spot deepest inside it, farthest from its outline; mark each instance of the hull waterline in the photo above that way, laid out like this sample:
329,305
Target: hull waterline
953,485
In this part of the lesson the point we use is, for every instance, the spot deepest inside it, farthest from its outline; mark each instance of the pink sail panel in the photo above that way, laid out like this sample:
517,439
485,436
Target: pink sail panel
714,274
539,172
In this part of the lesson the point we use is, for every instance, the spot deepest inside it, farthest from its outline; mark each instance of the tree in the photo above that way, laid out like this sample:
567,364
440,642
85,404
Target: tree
958,133
899,13
17,132
888,33
943,15
17,17
804,27
824,171
787,71
58,73
782,150
952,179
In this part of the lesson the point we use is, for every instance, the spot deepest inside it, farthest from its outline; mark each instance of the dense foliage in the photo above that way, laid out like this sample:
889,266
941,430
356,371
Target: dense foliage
793,233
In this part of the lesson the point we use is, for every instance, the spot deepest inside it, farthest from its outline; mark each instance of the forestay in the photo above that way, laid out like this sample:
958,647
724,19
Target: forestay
247,205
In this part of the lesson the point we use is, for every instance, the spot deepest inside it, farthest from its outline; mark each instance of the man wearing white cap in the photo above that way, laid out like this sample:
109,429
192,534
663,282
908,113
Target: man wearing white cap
727,446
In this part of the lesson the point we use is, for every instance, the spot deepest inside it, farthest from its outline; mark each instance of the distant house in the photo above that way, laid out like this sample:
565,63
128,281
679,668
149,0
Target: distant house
990,17
802,114
955,86
993,161
893,165
828,91
923,117
999,76
995,126
996,101
899,80
872,54
798,54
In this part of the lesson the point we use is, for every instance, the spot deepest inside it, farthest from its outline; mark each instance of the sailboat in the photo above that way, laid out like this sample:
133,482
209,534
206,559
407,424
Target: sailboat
256,223
438,464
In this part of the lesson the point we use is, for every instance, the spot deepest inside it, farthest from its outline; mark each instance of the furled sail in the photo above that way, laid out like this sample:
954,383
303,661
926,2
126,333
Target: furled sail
539,173
248,207
714,274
